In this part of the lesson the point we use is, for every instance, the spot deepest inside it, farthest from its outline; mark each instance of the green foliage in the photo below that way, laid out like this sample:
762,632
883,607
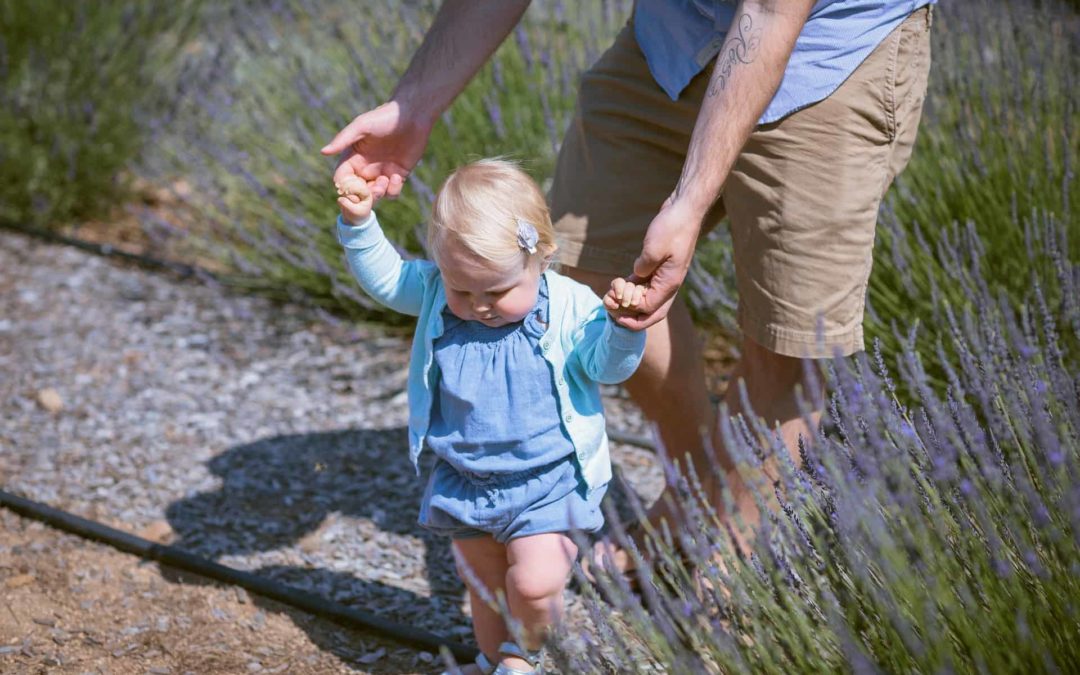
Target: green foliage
74,79
995,157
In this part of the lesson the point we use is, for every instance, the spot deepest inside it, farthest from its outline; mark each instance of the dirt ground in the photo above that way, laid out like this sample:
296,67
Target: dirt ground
74,606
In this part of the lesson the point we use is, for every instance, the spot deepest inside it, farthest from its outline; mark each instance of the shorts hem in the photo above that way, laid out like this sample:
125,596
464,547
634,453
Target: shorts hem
477,533
800,343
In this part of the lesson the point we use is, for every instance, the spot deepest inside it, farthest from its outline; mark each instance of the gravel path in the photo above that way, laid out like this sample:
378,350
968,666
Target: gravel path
255,434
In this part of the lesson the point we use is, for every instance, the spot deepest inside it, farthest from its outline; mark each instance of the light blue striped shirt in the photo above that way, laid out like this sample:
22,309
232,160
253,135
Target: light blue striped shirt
680,37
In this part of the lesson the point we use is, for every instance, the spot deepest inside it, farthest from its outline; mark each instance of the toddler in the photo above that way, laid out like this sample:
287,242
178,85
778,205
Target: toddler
503,388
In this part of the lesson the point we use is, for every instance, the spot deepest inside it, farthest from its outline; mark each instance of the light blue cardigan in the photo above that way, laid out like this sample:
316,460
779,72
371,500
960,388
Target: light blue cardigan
583,346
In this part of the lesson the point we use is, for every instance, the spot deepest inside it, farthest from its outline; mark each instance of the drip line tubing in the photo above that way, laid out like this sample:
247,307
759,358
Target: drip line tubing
180,559
108,250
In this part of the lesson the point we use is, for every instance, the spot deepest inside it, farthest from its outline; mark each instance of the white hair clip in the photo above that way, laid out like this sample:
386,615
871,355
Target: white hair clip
527,238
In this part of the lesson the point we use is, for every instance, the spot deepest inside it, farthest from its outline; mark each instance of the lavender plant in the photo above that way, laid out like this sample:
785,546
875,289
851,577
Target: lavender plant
75,81
284,77
995,155
996,159
937,536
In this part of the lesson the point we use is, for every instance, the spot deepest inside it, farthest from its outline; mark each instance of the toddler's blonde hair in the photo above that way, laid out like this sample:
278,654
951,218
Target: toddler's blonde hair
478,206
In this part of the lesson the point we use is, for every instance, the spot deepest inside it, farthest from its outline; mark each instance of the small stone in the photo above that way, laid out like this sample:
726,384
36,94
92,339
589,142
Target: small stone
372,657
19,580
158,531
258,621
49,399
44,621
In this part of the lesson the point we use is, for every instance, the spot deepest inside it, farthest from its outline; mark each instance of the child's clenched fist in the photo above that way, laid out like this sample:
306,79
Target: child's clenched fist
355,200
624,297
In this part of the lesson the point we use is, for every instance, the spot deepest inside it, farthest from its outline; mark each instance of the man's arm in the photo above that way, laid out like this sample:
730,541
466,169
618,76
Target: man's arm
383,145
746,75
463,36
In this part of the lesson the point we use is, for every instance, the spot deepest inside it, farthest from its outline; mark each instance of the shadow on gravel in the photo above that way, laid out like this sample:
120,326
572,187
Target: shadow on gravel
290,491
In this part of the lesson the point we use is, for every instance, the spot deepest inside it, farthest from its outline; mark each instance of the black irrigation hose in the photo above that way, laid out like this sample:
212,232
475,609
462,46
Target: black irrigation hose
180,559
106,250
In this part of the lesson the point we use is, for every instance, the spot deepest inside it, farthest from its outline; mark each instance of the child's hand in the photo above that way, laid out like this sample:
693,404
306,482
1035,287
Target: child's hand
623,297
355,200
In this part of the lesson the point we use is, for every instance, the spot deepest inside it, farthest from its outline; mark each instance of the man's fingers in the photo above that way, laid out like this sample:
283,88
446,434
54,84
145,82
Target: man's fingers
352,132
393,188
650,300
379,186
640,320
373,169
645,266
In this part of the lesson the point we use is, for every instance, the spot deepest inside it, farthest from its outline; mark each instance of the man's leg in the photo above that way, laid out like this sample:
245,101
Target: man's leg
669,387
774,386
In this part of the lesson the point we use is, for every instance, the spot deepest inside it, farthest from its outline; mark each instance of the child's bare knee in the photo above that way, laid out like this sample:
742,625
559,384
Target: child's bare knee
535,582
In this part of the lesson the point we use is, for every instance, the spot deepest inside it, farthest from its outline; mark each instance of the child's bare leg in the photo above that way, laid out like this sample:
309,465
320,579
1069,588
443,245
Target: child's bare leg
486,559
535,580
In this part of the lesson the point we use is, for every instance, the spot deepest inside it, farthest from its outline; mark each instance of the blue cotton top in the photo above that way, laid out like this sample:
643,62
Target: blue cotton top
680,37
495,409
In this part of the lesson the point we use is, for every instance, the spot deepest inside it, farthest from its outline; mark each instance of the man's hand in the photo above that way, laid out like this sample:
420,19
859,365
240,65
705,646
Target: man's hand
355,200
665,258
381,147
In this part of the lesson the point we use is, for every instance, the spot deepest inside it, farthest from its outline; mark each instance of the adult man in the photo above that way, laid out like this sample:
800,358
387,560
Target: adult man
790,116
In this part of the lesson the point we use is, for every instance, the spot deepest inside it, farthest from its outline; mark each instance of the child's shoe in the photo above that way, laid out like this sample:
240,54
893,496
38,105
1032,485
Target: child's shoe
534,659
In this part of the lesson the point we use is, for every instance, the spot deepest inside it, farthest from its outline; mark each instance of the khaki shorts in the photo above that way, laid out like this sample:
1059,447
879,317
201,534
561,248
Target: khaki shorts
802,197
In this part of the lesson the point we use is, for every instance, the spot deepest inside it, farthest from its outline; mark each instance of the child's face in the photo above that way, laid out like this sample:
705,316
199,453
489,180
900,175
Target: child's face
475,292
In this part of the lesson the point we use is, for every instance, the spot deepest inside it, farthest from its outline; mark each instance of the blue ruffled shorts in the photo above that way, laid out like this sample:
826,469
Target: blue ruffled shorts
549,498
